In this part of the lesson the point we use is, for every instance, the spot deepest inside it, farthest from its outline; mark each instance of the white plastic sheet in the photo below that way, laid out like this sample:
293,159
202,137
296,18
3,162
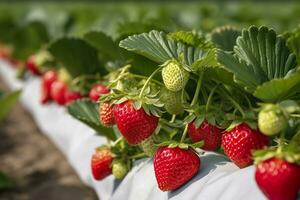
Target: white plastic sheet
217,179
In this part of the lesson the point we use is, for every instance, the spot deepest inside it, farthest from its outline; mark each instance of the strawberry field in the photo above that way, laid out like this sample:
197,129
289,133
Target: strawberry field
162,100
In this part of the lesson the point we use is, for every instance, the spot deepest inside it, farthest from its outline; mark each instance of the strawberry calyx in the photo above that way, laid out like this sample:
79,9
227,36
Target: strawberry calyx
288,151
182,145
249,119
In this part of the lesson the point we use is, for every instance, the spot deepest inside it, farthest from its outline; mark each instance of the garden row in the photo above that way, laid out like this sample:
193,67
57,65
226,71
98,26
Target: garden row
183,98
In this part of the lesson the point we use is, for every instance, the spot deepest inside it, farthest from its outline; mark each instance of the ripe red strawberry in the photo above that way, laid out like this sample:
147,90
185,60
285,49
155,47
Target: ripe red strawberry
47,80
106,114
209,133
71,96
240,141
278,179
58,90
134,125
97,90
101,163
174,166
32,67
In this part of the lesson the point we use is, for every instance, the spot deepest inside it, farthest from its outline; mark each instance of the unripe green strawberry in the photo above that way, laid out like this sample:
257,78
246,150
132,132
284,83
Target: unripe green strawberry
149,146
119,169
64,76
172,101
271,120
174,76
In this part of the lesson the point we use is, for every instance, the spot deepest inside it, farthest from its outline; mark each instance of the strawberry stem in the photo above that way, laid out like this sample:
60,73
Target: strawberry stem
235,104
144,77
196,95
194,101
173,118
184,133
140,155
210,98
148,80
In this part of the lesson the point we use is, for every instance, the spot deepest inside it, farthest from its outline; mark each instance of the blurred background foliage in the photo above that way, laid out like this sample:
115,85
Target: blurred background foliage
28,25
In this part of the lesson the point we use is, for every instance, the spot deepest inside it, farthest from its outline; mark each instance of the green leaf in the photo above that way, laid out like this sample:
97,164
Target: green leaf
157,46
260,56
7,101
77,56
280,89
103,43
86,111
192,39
29,38
225,37
5,183
293,41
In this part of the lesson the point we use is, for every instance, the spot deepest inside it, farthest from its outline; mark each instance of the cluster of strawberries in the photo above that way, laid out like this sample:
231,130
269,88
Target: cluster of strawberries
176,119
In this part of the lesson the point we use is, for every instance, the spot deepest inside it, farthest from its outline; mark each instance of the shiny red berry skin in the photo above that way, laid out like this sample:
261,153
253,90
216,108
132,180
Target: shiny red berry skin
278,179
240,142
134,125
58,90
106,114
101,163
97,90
32,67
210,134
71,96
47,80
174,167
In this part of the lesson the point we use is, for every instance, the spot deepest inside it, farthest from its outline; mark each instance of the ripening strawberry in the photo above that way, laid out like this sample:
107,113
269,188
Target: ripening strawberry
119,169
101,163
174,76
240,141
172,101
32,66
174,167
47,80
134,125
97,90
71,96
106,114
210,134
278,179
271,120
58,90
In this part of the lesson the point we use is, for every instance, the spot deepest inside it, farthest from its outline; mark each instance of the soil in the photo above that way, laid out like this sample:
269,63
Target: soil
37,168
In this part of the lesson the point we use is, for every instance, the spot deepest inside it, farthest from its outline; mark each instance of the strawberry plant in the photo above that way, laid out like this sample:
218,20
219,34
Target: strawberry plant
173,95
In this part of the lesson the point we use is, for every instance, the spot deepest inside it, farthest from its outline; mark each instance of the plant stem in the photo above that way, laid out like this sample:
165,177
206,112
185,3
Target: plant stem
194,101
235,104
210,97
140,155
184,133
117,141
173,118
196,95
144,77
148,80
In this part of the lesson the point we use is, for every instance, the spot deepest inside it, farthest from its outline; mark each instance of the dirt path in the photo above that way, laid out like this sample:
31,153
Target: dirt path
38,169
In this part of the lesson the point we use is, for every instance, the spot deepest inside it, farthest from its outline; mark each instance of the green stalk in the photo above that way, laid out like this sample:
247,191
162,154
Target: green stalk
194,101
184,133
196,95
140,155
235,104
144,77
173,118
210,97
148,80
